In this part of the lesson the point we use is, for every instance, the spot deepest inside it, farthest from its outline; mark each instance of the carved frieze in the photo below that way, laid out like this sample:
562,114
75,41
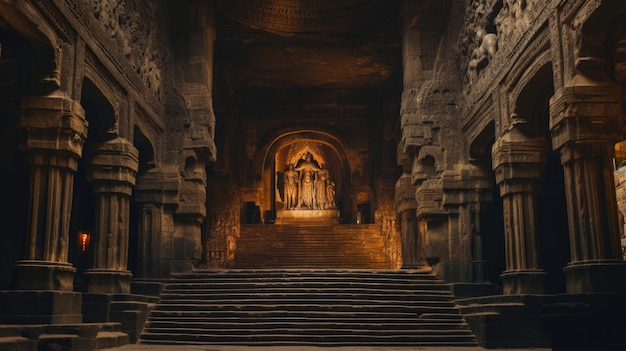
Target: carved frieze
429,197
137,29
515,52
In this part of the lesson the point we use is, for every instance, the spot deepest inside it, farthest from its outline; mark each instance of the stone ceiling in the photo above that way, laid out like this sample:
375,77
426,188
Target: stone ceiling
310,44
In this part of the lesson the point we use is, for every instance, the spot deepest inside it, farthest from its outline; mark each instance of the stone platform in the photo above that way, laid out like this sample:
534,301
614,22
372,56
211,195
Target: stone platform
305,216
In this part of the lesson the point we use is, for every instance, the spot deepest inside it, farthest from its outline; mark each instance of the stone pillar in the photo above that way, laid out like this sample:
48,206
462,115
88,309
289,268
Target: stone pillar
157,193
189,217
54,130
519,162
465,187
408,233
412,245
112,171
585,122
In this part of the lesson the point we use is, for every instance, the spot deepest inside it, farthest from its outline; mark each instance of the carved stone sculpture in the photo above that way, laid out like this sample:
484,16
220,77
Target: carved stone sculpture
321,182
291,188
484,52
307,170
308,186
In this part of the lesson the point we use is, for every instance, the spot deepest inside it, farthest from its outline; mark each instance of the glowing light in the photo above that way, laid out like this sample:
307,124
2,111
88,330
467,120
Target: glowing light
83,239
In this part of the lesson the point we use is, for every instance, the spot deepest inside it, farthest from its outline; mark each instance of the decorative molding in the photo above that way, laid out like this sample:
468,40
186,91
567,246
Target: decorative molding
134,54
519,52
54,17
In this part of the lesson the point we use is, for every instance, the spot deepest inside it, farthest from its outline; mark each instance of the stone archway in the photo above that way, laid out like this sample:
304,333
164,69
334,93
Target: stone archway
290,148
306,183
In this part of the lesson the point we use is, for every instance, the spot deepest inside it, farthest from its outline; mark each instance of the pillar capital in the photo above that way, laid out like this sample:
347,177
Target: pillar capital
465,184
517,156
405,194
589,112
54,128
113,168
159,186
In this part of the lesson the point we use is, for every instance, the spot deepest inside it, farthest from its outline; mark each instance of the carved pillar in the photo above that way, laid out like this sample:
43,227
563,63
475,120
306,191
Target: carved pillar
54,130
465,187
190,215
157,193
519,162
112,170
585,121
433,226
412,243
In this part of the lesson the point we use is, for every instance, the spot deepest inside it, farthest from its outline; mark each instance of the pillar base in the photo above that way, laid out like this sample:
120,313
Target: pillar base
506,321
108,281
602,276
527,281
44,275
40,307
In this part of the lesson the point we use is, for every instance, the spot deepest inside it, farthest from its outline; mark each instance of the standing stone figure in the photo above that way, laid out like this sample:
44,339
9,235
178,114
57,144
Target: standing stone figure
320,187
291,188
307,171
330,194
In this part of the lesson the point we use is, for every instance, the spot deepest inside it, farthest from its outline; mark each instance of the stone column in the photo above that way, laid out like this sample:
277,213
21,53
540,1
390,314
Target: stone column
465,187
157,193
412,246
519,162
585,122
112,170
54,130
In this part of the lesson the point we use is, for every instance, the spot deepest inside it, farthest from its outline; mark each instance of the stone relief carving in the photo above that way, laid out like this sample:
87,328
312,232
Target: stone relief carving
487,45
478,39
123,22
512,17
308,186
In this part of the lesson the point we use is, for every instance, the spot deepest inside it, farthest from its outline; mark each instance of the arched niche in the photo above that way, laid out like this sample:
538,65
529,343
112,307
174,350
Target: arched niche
101,116
289,147
145,146
531,95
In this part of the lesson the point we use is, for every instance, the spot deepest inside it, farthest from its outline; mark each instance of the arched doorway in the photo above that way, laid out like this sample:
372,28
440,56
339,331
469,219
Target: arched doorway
327,157
101,117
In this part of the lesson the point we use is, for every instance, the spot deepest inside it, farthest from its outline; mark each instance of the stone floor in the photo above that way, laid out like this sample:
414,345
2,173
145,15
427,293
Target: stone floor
294,348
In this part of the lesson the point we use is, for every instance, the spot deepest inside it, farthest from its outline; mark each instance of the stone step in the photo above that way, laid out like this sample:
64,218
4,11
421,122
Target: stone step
302,313
306,322
238,286
300,274
307,307
310,245
214,297
321,277
337,308
292,338
296,330
17,343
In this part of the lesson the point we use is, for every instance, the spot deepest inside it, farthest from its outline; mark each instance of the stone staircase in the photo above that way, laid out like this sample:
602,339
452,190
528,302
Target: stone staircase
353,246
318,307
